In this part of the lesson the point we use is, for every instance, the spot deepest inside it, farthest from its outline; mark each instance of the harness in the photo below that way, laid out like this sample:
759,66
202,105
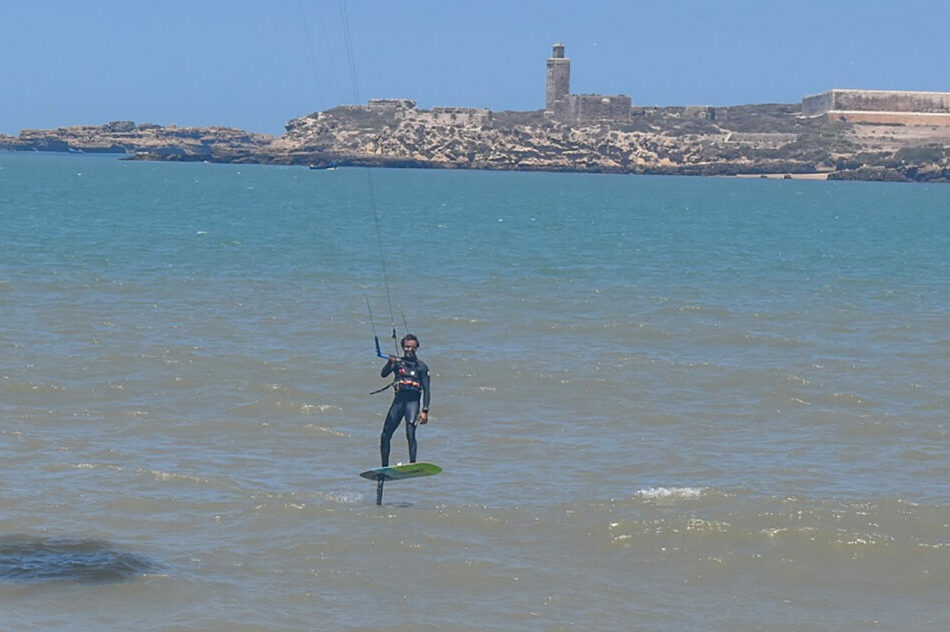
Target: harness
405,378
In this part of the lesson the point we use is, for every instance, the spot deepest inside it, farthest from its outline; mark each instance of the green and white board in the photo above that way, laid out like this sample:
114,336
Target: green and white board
397,473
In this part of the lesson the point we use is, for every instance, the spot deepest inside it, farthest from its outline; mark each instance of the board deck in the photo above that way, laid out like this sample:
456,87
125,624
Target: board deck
399,472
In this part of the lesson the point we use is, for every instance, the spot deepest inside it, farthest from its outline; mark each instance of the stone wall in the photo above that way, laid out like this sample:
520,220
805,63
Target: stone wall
389,111
407,104
916,119
584,108
391,108
818,104
876,101
451,116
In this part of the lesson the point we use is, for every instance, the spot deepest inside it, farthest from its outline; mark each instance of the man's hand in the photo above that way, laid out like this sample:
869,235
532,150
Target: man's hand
423,418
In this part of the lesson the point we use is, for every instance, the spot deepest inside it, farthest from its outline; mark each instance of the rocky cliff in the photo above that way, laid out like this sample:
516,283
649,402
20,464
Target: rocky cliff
741,140
658,140
219,144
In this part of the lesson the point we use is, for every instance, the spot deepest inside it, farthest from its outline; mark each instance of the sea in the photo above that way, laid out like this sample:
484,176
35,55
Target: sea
661,403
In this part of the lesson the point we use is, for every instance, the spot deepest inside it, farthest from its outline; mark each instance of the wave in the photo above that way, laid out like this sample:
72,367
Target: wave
30,559
173,476
670,493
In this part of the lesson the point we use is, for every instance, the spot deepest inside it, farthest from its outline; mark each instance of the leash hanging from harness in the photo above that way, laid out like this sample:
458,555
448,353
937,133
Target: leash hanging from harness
385,388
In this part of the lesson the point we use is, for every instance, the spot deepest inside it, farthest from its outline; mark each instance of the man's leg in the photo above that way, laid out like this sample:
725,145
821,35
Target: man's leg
412,411
393,417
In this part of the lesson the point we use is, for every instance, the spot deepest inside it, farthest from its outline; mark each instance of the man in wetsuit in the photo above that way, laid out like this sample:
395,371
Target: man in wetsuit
411,384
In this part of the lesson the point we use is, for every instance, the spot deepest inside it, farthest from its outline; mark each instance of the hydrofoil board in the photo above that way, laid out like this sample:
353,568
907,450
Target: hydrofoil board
399,472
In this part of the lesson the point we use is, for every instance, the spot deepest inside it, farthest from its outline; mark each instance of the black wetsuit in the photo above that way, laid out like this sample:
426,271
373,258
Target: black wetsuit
411,384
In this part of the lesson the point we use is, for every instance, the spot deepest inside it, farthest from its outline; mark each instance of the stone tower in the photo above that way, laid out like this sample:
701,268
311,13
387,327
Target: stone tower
558,78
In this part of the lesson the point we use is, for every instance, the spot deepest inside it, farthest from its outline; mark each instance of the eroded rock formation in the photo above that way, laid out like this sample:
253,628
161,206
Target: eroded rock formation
740,140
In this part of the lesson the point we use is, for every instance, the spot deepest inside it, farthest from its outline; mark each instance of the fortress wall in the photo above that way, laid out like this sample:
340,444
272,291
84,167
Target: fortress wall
453,116
876,101
817,104
890,118
392,104
892,101
563,109
594,107
392,109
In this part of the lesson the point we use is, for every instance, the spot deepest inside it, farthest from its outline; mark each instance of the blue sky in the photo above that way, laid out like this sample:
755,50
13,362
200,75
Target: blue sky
256,65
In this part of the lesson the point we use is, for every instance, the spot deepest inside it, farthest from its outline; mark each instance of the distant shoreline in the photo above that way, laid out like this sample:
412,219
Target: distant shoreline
769,141
785,176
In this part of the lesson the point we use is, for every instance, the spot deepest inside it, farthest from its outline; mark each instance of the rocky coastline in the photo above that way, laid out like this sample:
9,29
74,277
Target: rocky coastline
753,140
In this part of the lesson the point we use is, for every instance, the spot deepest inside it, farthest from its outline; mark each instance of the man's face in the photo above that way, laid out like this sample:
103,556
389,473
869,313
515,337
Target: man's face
409,347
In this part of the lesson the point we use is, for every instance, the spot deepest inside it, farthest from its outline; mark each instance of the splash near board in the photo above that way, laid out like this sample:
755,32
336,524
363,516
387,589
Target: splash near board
396,473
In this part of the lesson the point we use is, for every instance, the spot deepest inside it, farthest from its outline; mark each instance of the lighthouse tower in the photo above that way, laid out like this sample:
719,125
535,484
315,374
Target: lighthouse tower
558,78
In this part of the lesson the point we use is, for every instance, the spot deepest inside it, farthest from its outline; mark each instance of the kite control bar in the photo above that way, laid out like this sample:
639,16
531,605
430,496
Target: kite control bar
378,351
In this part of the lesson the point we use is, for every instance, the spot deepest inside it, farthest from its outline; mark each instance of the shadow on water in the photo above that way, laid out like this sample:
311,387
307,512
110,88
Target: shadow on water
26,559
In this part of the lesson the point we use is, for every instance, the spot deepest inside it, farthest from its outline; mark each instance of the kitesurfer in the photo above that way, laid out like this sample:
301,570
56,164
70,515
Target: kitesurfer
411,384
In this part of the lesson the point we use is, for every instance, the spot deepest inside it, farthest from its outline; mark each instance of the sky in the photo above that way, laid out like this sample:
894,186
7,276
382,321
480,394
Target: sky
255,65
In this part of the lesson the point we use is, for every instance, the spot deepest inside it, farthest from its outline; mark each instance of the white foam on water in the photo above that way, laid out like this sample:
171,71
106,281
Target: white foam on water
670,493
94,466
324,430
172,476
343,498
310,409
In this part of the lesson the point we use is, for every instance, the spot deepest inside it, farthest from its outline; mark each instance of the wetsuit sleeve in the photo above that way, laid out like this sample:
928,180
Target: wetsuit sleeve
424,380
387,369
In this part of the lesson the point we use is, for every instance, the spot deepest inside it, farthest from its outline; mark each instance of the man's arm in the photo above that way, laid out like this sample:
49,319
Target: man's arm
424,380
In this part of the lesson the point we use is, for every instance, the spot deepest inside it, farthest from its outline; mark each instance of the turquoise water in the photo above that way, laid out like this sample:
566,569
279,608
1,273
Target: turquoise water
660,403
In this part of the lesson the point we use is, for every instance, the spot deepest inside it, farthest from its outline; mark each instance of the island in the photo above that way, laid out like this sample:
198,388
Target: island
838,134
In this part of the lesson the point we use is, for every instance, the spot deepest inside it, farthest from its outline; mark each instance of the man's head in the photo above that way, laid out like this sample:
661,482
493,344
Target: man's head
409,344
